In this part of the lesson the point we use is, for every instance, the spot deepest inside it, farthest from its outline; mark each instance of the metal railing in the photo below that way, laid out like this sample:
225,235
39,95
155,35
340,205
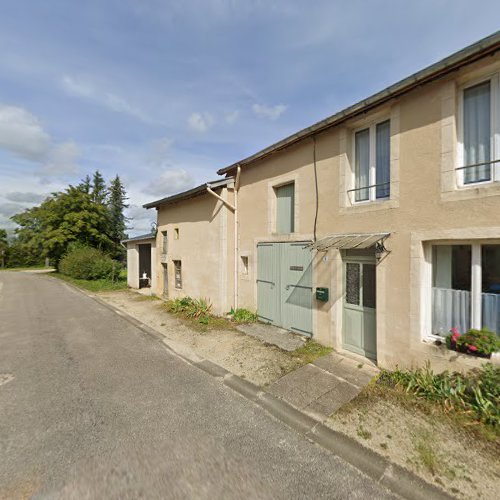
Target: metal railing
349,191
489,175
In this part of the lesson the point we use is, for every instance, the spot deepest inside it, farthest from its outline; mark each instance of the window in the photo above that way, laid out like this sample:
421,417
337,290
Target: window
164,244
372,169
176,233
480,142
178,274
465,288
285,208
244,264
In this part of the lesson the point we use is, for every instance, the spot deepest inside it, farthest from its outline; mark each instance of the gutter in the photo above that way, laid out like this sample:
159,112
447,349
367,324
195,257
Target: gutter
234,209
486,46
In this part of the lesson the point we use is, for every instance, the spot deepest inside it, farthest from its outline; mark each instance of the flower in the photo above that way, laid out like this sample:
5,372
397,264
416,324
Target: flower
455,331
472,348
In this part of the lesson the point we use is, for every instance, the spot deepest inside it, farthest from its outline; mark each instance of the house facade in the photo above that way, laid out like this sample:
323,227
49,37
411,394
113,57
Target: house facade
141,256
376,230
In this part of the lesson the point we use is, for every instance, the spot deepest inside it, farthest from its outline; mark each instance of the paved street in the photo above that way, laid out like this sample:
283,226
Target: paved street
91,407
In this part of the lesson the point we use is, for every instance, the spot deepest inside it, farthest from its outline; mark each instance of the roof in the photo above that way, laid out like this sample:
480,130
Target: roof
191,193
148,236
473,52
348,241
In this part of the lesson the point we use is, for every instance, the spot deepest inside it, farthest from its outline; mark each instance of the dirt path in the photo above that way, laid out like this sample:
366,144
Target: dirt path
240,354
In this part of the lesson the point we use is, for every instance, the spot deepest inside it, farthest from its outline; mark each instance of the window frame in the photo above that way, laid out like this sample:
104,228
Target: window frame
164,242
476,313
494,80
372,168
276,187
177,267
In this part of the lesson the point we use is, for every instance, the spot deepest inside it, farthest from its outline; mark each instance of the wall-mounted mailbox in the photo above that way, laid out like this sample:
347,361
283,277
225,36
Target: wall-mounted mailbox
322,294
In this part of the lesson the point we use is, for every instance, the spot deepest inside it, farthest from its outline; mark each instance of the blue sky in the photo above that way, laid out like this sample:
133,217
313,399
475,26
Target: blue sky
165,92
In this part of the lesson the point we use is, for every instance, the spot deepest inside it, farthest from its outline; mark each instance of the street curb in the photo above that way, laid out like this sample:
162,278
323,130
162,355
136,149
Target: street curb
395,478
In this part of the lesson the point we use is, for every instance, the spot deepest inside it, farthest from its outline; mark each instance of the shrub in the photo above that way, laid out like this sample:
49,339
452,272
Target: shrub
88,263
476,393
197,309
478,342
243,316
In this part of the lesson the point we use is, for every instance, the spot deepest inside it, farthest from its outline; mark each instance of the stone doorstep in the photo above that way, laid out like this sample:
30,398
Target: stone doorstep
274,335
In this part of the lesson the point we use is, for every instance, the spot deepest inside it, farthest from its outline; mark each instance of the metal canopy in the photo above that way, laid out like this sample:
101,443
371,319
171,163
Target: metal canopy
348,241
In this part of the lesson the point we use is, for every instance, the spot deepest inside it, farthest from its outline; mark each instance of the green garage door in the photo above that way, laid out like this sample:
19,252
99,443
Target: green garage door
284,285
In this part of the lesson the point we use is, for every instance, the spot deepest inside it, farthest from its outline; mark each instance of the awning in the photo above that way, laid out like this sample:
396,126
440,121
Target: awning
348,241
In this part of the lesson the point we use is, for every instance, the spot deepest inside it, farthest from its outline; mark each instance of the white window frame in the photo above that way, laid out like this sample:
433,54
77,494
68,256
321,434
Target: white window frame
476,319
494,80
372,173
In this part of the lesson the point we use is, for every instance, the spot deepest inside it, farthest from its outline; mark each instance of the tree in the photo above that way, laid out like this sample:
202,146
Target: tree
3,247
64,217
85,185
117,198
99,191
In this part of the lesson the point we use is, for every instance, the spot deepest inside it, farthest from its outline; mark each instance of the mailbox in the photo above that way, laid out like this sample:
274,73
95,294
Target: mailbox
322,294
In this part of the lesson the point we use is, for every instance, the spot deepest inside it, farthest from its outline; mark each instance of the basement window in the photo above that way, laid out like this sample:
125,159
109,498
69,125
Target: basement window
178,274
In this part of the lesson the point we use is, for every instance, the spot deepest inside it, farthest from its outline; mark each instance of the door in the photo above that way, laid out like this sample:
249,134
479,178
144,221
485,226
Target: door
165,281
284,286
359,326
144,263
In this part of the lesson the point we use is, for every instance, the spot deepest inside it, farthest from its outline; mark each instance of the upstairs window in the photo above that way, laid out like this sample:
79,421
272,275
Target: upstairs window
164,242
178,274
480,142
285,208
372,163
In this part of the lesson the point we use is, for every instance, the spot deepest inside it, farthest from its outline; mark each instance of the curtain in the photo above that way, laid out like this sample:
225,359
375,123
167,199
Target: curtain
450,309
383,159
491,311
477,133
362,165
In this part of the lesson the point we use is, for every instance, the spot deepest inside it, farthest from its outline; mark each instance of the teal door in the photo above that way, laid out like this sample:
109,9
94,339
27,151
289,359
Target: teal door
284,285
360,327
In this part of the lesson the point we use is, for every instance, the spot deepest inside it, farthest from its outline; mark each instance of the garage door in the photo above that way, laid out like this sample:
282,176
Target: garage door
284,285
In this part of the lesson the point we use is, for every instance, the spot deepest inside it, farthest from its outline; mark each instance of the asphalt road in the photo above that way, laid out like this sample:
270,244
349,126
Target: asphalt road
91,407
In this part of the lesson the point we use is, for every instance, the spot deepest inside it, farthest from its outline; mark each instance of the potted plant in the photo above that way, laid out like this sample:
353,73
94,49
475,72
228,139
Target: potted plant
480,343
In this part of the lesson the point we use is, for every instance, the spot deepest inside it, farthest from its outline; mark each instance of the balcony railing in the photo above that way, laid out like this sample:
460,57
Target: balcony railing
471,174
368,188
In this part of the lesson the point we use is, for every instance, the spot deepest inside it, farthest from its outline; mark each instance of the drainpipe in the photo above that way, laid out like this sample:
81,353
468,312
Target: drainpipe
236,248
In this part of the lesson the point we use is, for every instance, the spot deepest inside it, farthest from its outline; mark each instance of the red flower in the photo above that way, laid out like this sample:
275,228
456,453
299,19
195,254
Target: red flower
472,348
455,331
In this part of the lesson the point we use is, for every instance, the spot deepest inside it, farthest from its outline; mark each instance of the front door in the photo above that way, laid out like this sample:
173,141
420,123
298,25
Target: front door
284,285
360,326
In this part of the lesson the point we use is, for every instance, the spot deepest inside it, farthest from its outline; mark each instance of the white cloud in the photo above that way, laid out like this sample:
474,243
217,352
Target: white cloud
140,219
25,197
62,161
170,182
200,122
22,134
232,116
271,112
85,90
9,209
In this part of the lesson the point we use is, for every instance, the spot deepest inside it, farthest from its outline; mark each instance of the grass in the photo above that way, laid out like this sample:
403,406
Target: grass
29,268
94,285
310,351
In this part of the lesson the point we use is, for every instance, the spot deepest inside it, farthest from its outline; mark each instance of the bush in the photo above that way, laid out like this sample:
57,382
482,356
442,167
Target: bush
197,309
477,393
88,264
477,342
243,316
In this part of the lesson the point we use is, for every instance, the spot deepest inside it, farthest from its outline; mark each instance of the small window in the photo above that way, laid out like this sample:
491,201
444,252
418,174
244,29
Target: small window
285,208
164,245
372,163
176,233
244,264
178,274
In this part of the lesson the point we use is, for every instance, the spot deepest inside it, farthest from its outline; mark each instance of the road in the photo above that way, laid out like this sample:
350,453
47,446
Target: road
92,407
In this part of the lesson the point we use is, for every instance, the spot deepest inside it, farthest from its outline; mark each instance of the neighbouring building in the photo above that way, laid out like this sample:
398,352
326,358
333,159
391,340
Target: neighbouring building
375,230
141,253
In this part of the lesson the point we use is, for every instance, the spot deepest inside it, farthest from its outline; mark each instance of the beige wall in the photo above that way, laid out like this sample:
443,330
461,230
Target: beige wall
205,227
424,200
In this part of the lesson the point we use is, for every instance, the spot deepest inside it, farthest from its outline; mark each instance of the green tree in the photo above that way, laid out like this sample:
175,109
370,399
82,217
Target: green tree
85,185
64,217
117,199
4,244
99,191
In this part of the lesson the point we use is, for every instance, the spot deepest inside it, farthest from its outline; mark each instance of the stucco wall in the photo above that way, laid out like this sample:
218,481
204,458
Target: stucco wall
202,247
422,199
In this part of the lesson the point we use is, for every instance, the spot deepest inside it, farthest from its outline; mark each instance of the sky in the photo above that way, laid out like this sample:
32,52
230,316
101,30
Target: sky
166,92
